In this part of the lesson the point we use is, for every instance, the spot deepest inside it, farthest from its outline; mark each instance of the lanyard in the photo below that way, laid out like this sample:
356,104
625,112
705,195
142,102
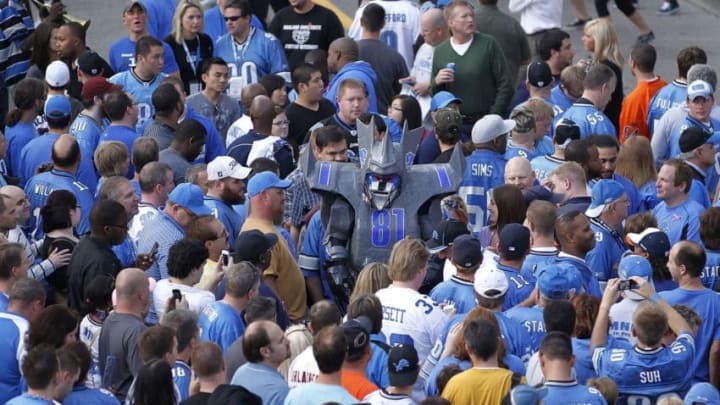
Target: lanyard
193,64
243,49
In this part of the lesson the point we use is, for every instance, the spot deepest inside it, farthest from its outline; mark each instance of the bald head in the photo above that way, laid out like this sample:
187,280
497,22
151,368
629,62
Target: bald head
66,152
345,49
249,93
519,173
14,192
131,281
262,112
434,18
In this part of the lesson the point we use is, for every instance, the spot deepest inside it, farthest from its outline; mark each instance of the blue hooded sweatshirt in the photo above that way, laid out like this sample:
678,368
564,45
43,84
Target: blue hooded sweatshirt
360,71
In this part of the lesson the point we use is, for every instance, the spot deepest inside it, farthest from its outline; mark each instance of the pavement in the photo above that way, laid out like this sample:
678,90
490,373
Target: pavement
696,24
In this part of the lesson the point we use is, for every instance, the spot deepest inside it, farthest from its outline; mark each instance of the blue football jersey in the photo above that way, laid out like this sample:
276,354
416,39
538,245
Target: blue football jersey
16,138
544,165
560,101
455,291
12,336
141,92
260,55
122,57
220,323
672,95
589,119
644,375
536,259
182,375
520,288
485,170
712,269
313,254
609,248
513,151
571,393
532,319
674,141
122,134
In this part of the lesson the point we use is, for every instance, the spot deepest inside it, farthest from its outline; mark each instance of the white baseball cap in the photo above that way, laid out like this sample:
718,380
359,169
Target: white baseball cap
57,74
224,166
490,279
489,127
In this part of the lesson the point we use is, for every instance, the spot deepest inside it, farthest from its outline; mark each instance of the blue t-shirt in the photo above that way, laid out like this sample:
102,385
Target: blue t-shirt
711,272
544,165
260,55
644,375
456,291
220,323
232,222
125,135
313,254
17,137
484,171
262,380
532,319
141,92
515,151
27,399
4,299
12,335
125,252
122,57
672,95
609,248
589,119
34,154
571,393
681,222
159,17
707,304
560,101
182,376
165,231
590,284
87,132
583,359
82,395
377,367
41,186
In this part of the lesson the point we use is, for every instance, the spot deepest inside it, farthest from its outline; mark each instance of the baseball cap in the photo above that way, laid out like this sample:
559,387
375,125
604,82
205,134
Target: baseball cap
448,120
233,394
514,239
224,166
189,196
445,234
526,395
57,74
441,99
652,240
490,127
699,88
604,192
634,265
566,131
557,280
357,332
695,137
263,181
57,107
524,120
90,63
467,251
97,86
539,74
702,393
249,245
402,365
130,4
490,283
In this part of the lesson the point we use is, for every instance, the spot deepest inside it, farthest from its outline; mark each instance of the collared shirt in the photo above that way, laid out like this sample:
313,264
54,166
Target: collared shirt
299,199
164,230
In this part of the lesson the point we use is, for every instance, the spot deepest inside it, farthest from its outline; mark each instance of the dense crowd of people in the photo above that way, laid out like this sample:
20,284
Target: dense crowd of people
434,204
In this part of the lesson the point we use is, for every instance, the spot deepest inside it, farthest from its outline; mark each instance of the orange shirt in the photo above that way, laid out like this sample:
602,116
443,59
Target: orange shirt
357,384
633,116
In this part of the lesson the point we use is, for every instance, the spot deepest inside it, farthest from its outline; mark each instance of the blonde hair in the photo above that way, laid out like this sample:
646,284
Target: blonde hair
570,170
540,108
372,277
454,207
607,387
408,258
606,41
110,157
180,10
636,161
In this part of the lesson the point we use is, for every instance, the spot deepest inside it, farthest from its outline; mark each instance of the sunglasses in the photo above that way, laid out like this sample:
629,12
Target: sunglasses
233,18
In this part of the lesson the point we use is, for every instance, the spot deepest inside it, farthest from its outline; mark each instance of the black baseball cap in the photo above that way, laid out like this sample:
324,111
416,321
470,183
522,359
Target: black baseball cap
249,245
445,234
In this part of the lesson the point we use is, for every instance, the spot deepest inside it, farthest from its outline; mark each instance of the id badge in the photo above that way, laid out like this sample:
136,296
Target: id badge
195,87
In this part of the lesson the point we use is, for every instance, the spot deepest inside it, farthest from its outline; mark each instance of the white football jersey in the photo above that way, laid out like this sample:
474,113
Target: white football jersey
402,27
303,369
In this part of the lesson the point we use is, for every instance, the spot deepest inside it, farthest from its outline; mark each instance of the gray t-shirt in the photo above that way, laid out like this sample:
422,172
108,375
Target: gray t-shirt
177,163
119,355
160,132
221,115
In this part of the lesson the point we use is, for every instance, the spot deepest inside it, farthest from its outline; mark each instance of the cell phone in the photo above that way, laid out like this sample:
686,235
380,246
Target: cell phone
177,295
627,285
154,249
225,257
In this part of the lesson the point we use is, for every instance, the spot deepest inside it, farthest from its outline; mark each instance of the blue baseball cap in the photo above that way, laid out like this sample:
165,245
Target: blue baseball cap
604,192
189,196
57,107
634,265
702,393
526,395
263,181
557,280
699,88
441,99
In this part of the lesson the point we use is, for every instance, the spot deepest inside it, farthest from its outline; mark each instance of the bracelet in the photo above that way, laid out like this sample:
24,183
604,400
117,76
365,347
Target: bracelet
655,297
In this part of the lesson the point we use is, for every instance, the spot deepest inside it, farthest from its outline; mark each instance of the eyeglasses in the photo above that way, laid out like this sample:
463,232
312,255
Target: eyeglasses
233,18
281,123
